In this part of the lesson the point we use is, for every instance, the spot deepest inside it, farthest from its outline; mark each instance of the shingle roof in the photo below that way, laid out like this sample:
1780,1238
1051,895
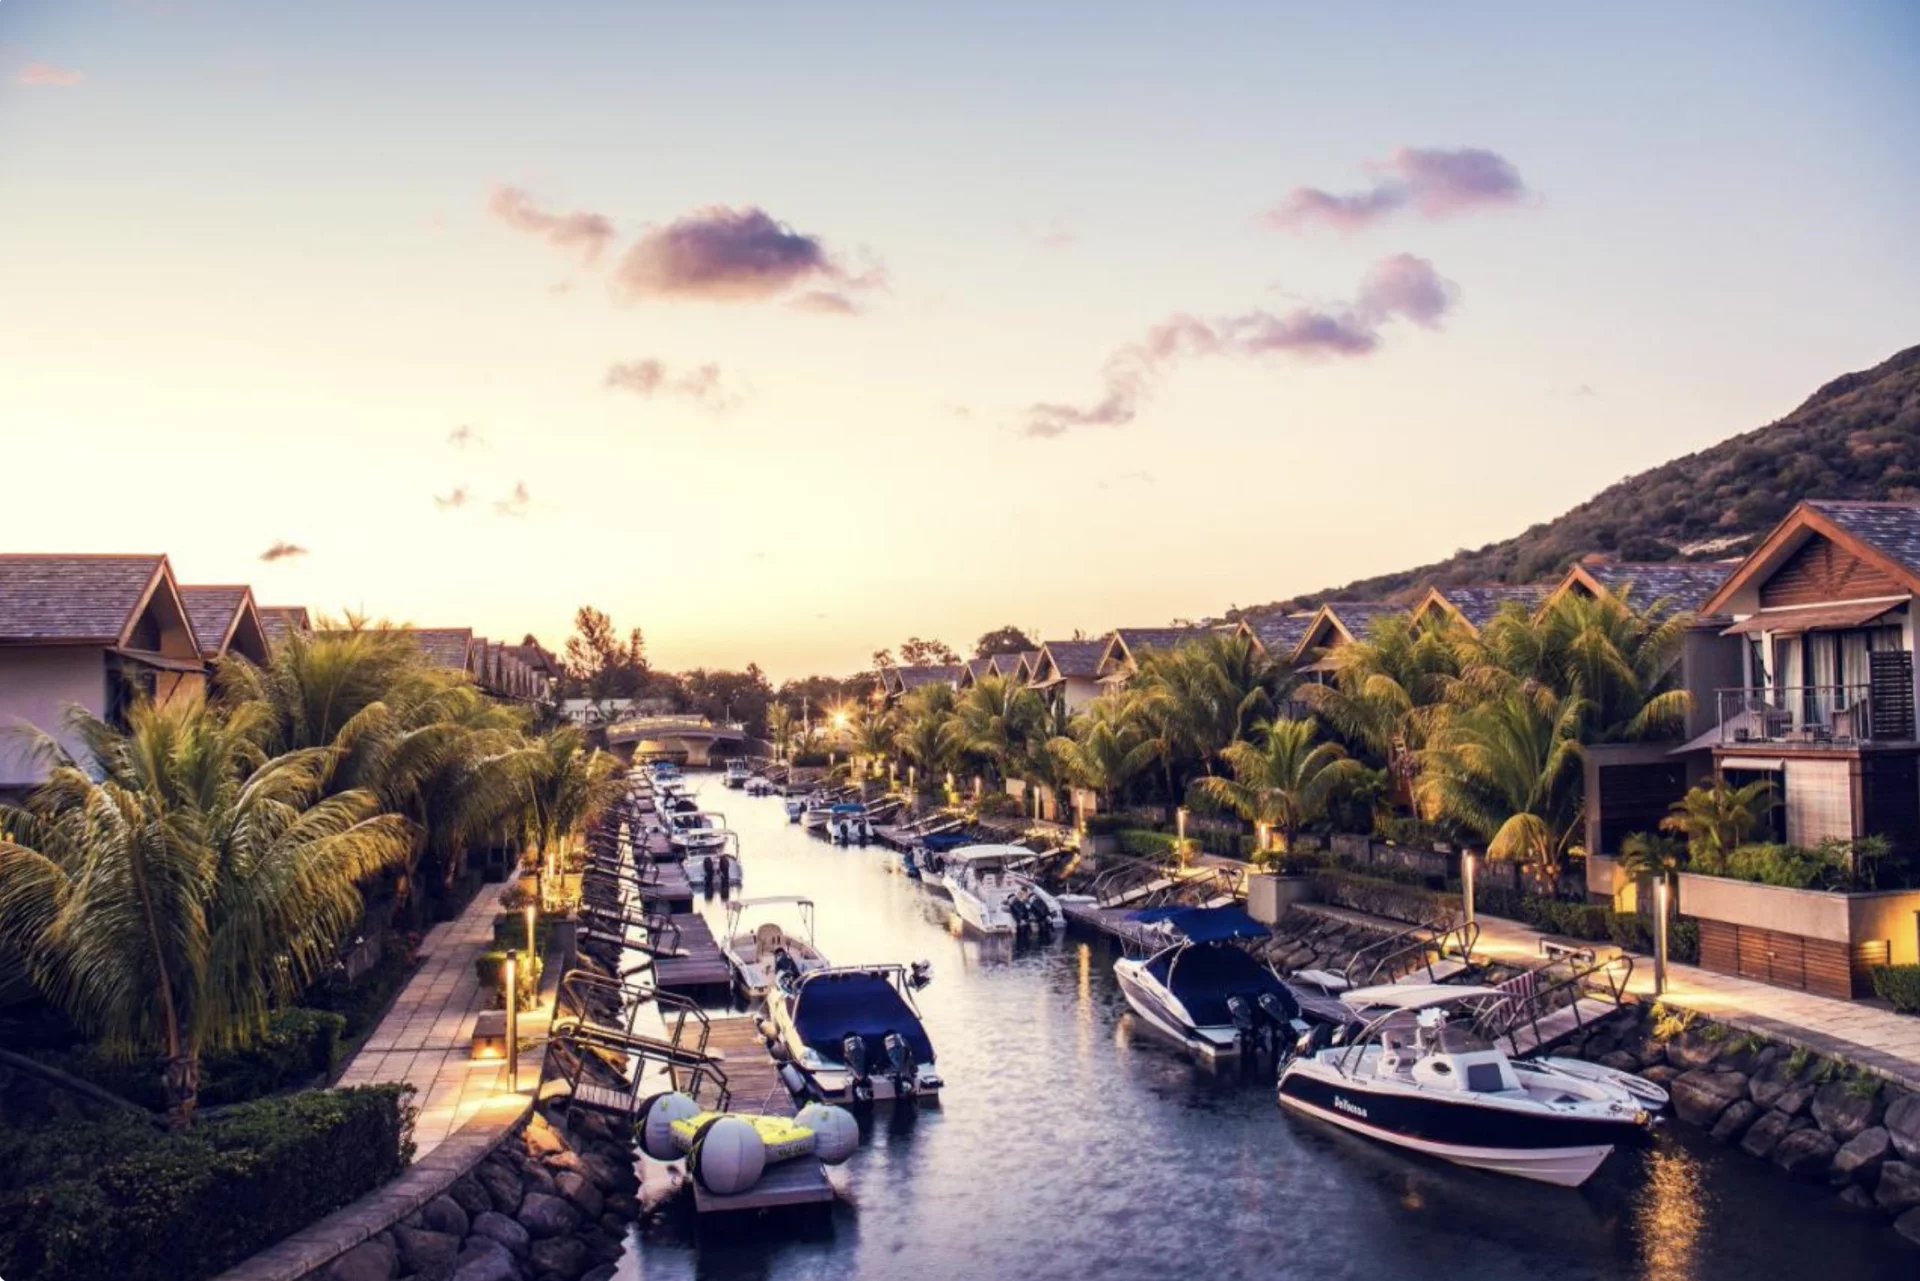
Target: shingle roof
72,599
1685,587
444,646
281,621
1891,528
211,610
915,677
1139,640
1075,657
1280,634
1479,604
1359,616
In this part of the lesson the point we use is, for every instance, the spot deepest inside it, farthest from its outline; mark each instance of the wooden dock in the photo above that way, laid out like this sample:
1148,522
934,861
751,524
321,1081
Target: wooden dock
754,1080
671,893
700,973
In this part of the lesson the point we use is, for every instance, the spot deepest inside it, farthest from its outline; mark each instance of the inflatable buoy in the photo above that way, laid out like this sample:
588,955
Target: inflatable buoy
655,1124
836,1135
729,1156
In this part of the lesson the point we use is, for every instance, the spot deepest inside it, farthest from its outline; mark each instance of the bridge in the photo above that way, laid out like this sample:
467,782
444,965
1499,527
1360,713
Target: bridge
692,739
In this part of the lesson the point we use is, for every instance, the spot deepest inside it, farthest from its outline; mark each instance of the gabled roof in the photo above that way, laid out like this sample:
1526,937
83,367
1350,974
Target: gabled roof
281,621
1340,621
444,646
1279,635
225,618
79,600
1684,586
536,658
1070,658
915,677
1476,606
974,669
1885,535
1127,644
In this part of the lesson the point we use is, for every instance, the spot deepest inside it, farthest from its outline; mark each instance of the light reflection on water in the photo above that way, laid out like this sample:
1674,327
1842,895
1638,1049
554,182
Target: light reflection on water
1070,1144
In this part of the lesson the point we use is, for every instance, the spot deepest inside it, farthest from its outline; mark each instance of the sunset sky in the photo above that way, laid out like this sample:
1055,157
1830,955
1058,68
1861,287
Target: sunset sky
785,331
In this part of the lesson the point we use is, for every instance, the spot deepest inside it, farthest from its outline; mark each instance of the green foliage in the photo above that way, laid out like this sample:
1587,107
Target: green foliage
1797,1062
1717,819
298,1047
1899,986
510,933
1669,1023
1285,778
1108,824
491,969
362,1001
120,1201
1379,896
999,805
1830,865
1145,844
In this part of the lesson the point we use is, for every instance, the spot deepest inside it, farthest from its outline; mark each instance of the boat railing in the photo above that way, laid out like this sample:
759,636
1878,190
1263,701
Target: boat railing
1570,978
1430,944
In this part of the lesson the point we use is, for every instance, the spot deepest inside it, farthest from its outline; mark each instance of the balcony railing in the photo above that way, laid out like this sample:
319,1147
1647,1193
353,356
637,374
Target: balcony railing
1841,715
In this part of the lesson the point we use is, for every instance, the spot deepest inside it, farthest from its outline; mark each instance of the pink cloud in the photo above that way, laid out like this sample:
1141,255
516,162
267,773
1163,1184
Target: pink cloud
1401,287
735,255
1432,182
47,76
581,232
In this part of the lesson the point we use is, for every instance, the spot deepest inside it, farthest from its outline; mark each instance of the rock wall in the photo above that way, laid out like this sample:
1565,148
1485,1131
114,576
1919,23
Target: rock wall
1815,1119
550,1204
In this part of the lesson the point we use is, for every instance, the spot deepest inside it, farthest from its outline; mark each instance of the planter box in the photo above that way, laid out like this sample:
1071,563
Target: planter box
1269,897
1813,940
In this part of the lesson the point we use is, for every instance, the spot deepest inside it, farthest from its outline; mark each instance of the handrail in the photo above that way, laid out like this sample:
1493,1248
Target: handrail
1615,973
1434,948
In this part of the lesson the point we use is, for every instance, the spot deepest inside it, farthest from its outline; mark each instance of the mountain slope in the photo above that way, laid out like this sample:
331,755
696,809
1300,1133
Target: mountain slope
1857,437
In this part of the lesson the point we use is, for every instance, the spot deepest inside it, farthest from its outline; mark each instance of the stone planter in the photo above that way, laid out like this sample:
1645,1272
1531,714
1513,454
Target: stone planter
1269,896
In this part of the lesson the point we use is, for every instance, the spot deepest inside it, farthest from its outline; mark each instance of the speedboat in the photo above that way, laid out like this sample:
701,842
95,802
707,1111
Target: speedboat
796,808
847,824
737,772
818,810
759,953
992,897
1196,986
1423,1075
694,833
853,1034
758,785
718,870
926,858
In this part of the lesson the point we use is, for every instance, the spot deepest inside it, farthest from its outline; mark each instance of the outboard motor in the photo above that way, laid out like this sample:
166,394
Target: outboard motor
920,974
853,1051
786,970
866,832
900,1055
706,865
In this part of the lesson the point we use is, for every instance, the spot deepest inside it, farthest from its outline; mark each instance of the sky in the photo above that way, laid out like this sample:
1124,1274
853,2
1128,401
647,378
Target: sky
788,331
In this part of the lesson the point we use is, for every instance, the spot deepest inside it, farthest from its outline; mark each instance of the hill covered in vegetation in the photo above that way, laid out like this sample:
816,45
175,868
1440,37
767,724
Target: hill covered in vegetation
1856,437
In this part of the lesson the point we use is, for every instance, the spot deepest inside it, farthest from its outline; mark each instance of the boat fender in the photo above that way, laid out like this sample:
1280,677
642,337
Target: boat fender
836,1135
769,1032
728,1156
654,1124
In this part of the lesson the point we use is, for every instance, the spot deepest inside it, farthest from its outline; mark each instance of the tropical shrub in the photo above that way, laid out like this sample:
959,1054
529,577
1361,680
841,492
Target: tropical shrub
119,1200
1378,896
1144,844
999,805
1899,985
298,1047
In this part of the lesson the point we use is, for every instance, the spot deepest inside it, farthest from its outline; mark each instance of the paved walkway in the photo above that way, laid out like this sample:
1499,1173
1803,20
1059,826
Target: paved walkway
1868,1036
426,1039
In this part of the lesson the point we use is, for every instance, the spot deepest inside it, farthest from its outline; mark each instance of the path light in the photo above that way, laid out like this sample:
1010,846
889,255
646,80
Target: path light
1180,823
1264,832
1079,811
531,949
1661,890
913,776
513,1021
1469,864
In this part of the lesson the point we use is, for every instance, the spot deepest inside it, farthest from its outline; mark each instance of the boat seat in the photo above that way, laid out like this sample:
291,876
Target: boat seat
767,940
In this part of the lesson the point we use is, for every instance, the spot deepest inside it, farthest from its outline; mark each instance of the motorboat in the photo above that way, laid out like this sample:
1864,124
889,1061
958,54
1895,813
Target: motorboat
853,1033
718,870
848,824
1423,1074
737,772
759,785
759,949
819,808
796,808
992,896
926,858
1195,984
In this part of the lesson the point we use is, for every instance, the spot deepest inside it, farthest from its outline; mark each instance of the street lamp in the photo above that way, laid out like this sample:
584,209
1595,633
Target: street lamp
1469,864
531,950
513,1021
1661,890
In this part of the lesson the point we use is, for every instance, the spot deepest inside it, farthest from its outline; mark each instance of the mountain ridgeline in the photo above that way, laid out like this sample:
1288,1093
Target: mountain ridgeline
1857,437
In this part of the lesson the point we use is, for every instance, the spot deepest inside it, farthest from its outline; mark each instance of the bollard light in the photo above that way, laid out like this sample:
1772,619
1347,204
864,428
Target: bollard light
531,949
1180,823
1469,864
1661,890
513,1020
1263,832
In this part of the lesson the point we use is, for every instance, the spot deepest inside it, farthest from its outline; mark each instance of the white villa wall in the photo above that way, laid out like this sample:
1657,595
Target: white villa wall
37,686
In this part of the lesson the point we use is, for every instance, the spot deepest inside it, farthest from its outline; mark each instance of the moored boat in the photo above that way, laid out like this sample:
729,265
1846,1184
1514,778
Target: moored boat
853,1034
761,950
992,896
1198,987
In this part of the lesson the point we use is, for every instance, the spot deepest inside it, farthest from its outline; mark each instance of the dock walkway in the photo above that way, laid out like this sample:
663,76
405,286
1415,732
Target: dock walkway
700,973
753,1078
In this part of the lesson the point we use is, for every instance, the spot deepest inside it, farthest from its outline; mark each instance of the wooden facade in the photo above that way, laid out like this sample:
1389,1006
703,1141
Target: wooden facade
1821,572
1820,966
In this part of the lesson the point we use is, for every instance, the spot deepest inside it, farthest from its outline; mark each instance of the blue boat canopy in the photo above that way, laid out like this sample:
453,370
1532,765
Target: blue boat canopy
947,840
849,809
833,1006
1204,924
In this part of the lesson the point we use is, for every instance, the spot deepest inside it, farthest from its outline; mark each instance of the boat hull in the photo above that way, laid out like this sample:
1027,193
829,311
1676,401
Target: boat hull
1546,1147
1159,1010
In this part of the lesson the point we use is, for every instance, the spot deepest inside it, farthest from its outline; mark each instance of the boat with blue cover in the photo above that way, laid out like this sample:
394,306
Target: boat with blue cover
1197,985
853,1033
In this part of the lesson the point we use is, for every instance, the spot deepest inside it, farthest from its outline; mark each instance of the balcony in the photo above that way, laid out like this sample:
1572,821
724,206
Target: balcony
1818,715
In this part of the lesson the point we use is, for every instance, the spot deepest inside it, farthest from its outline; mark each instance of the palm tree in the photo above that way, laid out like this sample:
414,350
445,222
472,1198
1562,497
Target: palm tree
1107,749
1508,768
167,894
873,735
1620,660
568,785
993,722
1718,819
1646,854
1283,779
1201,696
920,737
1390,690
780,729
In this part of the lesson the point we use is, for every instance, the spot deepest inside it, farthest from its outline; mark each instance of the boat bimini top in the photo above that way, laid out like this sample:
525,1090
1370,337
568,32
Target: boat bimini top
867,1001
1201,971
738,909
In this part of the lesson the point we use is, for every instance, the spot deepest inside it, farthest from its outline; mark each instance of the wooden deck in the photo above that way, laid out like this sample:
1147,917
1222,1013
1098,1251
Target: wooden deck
754,1080
701,974
671,892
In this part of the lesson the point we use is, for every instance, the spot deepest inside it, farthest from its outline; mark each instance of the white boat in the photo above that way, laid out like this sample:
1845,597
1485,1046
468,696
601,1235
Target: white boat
718,869
852,1033
1197,986
816,813
848,824
1421,1075
737,772
762,952
992,896
796,808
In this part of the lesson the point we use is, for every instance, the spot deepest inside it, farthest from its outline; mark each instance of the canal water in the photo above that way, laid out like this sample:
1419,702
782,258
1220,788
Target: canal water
1072,1144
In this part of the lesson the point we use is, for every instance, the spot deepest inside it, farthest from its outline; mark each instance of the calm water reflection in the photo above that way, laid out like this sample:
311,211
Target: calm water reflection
1069,1145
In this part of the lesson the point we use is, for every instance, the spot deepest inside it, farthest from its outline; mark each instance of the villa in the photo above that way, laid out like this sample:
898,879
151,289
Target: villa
226,621
1068,672
1333,625
1473,607
281,621
1124,649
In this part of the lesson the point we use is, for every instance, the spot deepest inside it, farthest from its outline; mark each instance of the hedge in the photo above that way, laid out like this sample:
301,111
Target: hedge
122,1201
298,1047
1898,985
